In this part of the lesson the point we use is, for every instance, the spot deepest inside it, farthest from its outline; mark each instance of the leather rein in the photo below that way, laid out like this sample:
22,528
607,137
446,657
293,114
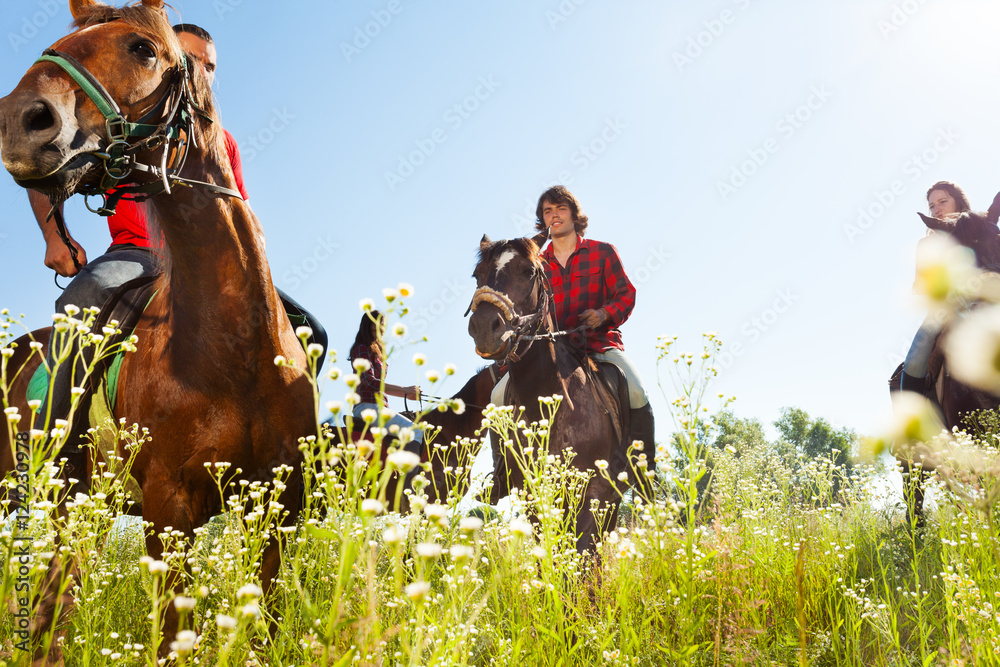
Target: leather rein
126,139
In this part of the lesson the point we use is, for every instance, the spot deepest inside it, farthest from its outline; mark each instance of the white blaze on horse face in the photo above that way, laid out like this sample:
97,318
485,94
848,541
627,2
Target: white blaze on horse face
504,258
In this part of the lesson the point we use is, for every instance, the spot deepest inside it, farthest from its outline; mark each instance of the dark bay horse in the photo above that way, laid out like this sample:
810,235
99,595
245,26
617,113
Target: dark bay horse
449,458
511,320
955,399
203,379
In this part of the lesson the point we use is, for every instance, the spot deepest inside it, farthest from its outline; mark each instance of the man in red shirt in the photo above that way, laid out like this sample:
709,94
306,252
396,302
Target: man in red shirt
590,289
131,254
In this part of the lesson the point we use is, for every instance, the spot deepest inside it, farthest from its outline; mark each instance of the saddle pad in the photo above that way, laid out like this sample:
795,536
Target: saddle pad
38,385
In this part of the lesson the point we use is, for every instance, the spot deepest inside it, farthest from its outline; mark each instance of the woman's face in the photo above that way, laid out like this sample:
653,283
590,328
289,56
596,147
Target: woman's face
941,204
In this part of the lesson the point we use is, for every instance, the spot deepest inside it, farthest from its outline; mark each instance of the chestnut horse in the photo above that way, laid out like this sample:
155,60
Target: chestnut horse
206,393
511,320
956,400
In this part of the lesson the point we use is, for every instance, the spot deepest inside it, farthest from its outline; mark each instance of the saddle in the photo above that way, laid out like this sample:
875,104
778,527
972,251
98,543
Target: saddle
125,306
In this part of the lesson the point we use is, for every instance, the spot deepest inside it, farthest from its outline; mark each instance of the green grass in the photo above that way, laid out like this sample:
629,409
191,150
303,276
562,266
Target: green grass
772,562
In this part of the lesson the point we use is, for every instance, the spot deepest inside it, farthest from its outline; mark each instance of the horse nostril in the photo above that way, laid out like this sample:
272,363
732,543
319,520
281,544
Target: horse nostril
496,325
38,117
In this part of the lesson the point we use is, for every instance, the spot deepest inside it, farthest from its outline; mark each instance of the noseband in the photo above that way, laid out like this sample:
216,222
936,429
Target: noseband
521,327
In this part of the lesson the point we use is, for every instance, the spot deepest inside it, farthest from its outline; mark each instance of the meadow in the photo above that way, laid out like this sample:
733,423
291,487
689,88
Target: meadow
749,553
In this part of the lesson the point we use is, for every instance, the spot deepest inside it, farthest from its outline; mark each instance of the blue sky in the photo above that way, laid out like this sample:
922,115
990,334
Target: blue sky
724,147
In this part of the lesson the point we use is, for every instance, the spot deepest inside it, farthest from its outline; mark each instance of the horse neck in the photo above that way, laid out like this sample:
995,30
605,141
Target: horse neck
216,271
540,370
475,394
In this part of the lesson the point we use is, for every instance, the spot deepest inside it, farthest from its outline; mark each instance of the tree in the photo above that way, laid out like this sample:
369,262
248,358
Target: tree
816,438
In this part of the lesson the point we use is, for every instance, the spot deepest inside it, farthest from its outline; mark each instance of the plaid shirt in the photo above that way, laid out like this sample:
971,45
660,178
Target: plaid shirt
593,278
371,379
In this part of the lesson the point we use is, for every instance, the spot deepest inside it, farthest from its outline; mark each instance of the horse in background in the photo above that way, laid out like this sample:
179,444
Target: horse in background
207,394
445,453
449,460
979,232
511,321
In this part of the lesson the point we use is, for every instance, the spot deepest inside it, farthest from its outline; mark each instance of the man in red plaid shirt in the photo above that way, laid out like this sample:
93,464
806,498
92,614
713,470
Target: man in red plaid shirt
590,289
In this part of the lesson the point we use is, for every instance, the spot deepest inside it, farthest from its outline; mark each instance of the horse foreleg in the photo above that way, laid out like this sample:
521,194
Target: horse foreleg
597,515
914,477
178,511
55,603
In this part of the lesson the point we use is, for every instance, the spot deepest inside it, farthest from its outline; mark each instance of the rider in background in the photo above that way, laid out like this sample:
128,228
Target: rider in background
944,199
591,290
368,359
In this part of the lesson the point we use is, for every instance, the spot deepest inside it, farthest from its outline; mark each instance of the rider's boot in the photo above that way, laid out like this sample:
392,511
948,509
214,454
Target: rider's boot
642,428
909,382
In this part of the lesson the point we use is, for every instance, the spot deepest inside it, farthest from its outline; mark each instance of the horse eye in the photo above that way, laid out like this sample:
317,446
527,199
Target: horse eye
144,50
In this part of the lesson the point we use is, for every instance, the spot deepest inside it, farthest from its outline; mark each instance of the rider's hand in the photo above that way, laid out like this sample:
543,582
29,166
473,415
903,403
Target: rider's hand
594,318
58,257
413,393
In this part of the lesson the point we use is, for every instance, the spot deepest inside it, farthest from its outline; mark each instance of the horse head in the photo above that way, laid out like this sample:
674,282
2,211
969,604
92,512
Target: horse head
973,230
102,90
510,298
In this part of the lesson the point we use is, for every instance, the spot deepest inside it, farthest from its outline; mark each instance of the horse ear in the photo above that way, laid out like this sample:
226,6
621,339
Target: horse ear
934,223
80,8
540,238
485,242
993,215
153,4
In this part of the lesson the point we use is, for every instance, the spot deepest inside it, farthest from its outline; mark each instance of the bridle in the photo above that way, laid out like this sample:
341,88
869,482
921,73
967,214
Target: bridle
521,328
125,140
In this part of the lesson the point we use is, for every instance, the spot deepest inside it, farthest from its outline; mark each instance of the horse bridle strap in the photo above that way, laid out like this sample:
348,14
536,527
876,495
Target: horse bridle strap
118,156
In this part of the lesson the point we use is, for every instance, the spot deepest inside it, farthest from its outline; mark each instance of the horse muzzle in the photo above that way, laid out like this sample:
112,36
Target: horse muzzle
491,331
40,140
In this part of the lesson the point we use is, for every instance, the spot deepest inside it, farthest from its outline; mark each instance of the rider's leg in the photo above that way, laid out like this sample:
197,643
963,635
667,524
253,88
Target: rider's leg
915,365
497,395
299,316
640,414
90,288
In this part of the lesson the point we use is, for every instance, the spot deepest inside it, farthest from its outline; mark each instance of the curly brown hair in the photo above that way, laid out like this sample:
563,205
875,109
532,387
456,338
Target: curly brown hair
956,193
558,194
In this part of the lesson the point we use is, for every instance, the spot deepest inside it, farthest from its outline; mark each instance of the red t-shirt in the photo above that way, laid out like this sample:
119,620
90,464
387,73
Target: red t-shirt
128,224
